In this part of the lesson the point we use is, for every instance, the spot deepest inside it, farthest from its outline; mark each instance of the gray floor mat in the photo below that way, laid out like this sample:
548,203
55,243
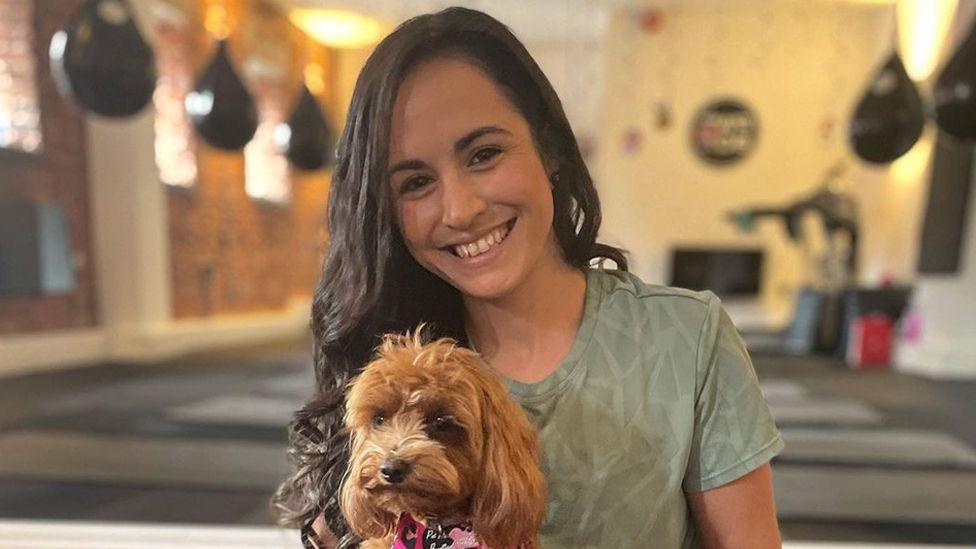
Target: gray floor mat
258,411
104,535
80,457
823,411
894,447
782,389
858,493
298,386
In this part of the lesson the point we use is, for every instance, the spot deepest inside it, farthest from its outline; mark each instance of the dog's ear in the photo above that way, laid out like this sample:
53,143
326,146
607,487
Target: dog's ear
363,517
509,499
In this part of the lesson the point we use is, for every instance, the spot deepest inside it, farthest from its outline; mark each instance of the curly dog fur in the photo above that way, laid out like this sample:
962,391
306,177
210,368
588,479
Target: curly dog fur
436,434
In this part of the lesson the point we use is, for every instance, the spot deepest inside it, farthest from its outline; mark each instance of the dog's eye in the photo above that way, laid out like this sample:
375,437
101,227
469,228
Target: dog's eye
442,422
378,419
444,428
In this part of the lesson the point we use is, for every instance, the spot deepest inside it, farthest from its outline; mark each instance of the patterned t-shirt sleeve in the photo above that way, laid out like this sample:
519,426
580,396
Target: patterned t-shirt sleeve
734,432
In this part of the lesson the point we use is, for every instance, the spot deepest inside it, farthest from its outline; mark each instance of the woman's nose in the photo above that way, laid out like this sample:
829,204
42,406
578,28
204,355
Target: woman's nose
461,203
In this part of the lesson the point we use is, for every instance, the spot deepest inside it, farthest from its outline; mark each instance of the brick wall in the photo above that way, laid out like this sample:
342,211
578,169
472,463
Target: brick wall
230,253
57,174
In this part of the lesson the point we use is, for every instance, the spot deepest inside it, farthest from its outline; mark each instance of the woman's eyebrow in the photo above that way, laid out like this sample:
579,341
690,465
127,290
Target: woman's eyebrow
459,146
465,141
407,165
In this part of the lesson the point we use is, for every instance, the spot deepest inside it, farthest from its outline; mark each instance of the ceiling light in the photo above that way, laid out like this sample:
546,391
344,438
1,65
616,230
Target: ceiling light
338,29
922,29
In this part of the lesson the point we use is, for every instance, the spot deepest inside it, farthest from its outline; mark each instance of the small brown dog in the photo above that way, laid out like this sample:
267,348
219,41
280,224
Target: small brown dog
442,455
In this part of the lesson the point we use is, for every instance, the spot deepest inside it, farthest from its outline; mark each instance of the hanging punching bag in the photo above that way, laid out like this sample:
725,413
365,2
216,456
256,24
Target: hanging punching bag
100,59
889,119
220,107
955,91
306,138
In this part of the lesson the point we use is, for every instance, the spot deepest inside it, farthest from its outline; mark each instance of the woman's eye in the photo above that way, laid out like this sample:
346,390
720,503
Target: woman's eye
414,184
484,155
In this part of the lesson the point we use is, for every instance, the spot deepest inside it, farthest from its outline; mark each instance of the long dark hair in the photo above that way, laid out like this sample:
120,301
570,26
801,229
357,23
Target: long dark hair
370,284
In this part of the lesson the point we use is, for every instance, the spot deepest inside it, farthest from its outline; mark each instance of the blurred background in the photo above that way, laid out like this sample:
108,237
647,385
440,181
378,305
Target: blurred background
164,172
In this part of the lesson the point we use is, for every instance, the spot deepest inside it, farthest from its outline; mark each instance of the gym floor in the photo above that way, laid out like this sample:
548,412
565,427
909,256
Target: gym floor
872,456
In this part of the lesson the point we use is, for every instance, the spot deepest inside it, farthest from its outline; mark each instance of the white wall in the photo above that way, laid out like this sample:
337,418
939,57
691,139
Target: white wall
802,66
576,71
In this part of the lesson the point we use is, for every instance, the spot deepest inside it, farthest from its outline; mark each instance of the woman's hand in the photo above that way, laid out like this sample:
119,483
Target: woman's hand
738,515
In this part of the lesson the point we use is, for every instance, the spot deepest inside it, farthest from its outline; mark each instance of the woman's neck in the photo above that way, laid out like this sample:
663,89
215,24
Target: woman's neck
526,334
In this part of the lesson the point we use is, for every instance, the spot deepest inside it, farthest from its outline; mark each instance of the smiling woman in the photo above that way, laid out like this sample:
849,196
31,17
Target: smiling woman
455,142
473,177
460,200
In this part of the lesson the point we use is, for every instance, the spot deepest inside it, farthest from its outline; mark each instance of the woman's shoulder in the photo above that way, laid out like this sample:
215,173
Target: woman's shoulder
626,300
627,287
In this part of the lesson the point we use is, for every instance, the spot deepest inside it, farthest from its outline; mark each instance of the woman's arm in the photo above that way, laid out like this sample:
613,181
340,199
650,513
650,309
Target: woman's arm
738,515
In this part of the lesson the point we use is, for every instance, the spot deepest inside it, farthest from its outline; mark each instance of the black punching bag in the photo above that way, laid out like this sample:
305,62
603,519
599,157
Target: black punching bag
220,107
306,138
100,59
955,91
889,119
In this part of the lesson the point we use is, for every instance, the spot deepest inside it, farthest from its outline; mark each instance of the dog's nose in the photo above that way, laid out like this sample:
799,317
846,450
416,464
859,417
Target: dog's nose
394,470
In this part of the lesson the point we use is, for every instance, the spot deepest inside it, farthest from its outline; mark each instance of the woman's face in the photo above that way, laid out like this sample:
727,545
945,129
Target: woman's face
473,199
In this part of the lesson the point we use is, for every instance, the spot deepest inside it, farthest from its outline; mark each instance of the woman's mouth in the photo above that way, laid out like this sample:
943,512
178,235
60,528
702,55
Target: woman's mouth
484,244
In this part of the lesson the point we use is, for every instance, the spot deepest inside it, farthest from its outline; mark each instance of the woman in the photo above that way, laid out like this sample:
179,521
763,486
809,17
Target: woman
460,198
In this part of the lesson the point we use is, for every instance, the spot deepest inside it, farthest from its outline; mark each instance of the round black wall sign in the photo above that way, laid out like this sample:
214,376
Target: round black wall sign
724,132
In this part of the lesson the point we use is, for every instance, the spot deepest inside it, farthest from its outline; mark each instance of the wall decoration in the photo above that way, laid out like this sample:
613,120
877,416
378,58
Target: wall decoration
220,107
101,60
651,20
826,128
955,91
724,132
630,141
889,118
663,115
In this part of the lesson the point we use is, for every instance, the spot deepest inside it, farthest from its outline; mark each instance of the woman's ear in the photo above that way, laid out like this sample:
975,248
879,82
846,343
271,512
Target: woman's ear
510,498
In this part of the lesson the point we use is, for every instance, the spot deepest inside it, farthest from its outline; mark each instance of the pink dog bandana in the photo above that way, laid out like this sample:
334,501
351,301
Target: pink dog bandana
411,534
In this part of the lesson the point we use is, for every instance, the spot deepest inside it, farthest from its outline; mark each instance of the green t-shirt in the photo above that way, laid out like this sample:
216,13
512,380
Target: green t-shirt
657,397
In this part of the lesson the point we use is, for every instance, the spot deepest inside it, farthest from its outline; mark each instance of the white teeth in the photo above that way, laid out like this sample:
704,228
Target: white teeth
482,245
